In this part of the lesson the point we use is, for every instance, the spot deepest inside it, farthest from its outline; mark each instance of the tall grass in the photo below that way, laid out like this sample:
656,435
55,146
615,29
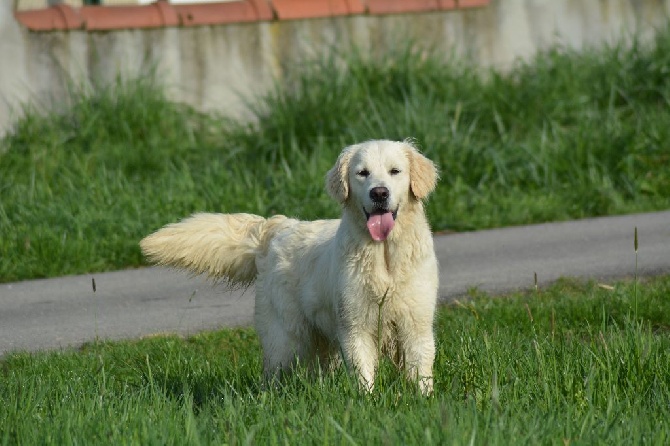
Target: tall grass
567,365
565,135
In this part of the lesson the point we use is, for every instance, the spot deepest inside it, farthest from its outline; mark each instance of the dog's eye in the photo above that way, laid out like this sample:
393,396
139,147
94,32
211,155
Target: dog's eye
394,171
363,173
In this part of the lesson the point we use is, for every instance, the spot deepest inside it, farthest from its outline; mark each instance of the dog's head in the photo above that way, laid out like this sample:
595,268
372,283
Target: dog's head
377,179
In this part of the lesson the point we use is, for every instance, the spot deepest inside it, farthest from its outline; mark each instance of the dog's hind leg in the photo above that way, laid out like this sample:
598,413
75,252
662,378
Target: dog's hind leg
283,349
280,351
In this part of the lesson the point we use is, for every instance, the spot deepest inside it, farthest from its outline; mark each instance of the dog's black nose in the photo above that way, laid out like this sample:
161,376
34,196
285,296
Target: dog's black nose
379,194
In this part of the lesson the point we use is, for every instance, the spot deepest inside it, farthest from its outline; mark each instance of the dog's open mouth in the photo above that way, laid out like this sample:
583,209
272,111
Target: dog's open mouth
380,223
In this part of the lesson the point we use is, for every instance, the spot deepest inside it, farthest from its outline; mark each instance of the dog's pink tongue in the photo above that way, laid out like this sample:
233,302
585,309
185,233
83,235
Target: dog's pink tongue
380,226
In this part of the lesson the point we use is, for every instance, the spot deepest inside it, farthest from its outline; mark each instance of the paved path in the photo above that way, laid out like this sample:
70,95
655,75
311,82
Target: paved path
61,312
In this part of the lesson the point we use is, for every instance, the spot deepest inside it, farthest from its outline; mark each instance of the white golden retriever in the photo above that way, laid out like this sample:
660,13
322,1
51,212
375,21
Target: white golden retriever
358,286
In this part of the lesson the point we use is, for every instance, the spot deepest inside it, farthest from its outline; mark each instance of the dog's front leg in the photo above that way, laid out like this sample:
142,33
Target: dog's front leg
359,349
419,354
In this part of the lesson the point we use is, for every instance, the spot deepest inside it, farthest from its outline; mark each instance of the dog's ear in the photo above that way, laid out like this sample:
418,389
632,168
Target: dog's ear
337,180
422,173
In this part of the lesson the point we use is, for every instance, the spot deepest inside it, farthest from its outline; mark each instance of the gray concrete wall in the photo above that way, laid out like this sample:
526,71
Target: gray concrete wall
214,68
13,89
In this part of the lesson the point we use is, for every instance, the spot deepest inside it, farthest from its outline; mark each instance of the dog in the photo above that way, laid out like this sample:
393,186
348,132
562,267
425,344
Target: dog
331,290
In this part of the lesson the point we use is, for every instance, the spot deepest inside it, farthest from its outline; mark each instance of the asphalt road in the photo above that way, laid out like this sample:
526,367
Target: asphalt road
67,312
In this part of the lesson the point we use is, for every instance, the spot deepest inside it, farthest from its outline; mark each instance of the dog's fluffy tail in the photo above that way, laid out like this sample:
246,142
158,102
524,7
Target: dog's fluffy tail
224,246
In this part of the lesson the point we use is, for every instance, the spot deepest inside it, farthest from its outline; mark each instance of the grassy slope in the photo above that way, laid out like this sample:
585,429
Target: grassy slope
565,136
568,365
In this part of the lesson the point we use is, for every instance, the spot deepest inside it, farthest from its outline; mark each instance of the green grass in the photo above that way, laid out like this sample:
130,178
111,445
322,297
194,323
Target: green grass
567,365
566,135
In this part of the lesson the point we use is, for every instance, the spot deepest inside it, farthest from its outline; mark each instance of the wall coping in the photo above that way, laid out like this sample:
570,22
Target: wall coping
164,14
